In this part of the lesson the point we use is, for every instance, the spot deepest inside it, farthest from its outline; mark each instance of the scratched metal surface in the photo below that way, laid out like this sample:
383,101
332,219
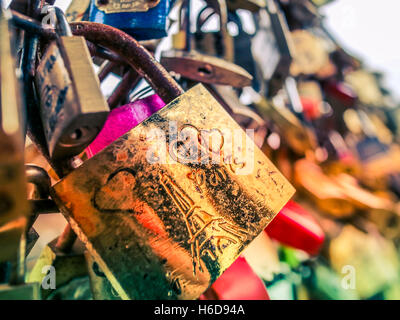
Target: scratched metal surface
167,231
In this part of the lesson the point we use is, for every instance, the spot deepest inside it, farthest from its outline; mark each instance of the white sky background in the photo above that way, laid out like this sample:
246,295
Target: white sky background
370,30
367,28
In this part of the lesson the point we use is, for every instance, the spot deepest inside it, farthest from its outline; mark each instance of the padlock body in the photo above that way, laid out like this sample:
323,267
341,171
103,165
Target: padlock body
72,107
123,15
168,229
14,208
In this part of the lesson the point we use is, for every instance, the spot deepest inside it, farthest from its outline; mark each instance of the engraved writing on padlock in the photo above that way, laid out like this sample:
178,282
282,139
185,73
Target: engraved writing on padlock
168,231
73,109
144,19
115,6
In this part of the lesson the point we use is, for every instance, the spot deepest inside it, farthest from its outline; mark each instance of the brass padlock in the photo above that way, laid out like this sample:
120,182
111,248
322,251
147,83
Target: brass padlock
165,225
72,106
14,207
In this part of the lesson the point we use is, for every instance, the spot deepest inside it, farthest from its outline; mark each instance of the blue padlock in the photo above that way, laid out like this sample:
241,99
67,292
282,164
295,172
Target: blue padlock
143,19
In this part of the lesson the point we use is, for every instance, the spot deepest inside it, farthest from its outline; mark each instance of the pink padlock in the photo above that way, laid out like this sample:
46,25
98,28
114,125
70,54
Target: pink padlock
123,119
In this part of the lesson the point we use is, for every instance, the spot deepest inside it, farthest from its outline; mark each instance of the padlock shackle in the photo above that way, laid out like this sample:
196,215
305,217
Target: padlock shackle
62,26
40,178
134,54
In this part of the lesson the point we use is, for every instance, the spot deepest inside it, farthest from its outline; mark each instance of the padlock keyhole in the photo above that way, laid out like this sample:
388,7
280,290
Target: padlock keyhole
205,70
77,134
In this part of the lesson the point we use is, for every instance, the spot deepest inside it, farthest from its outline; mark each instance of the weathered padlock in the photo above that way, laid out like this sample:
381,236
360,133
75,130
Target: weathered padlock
73,108
196,66
14,207
144,19
168,229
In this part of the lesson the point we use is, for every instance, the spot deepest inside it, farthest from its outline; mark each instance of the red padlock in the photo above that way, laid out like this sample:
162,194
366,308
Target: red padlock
238,282
295,227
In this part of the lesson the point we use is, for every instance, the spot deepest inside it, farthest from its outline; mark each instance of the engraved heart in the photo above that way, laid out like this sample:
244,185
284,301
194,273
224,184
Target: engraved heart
193,145
116,194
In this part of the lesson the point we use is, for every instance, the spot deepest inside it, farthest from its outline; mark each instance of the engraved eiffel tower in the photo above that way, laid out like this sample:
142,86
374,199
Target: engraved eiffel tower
197,221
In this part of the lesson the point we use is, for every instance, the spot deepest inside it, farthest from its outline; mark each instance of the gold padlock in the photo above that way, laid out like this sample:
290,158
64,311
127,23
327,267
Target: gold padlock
14,208
176,225
72,106
167,224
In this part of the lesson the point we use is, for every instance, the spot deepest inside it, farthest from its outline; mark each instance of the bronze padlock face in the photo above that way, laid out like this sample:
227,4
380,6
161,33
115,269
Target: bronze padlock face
72,106
165,225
